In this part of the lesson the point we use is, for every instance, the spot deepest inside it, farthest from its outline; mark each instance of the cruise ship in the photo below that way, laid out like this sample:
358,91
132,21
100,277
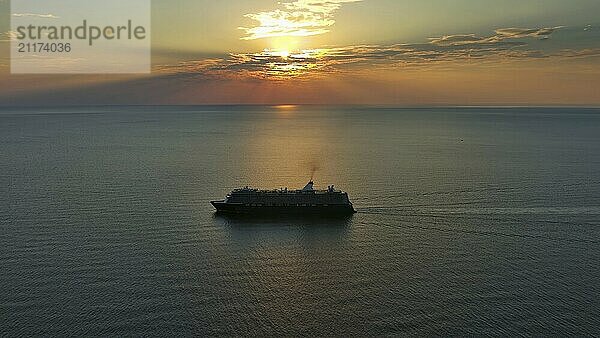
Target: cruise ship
304,201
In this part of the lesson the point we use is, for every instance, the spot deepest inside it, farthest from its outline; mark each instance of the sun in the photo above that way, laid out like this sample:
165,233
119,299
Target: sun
284,44
284,54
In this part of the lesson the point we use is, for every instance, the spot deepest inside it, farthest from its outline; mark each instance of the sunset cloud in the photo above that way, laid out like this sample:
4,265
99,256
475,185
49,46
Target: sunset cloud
8,36
503,36
583,53
515,33
506,45
295,18
33,15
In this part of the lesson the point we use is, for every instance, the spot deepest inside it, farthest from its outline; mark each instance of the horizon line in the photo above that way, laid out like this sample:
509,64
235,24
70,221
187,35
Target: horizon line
307,105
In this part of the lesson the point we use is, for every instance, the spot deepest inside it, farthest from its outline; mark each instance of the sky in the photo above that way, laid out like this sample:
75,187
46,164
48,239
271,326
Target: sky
379,52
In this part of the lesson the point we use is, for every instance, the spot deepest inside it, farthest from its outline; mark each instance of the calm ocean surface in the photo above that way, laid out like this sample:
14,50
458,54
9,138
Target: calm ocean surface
470,221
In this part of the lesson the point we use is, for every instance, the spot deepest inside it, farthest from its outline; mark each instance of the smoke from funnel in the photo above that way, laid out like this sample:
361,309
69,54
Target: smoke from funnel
314,167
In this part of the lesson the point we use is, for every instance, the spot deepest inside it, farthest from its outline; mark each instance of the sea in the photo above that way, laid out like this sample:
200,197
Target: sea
471,221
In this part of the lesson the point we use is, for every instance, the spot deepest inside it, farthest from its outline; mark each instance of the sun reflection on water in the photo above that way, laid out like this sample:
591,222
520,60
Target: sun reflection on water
286,107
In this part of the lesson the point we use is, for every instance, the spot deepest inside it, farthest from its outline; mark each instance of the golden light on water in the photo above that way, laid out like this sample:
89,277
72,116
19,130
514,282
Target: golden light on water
286,107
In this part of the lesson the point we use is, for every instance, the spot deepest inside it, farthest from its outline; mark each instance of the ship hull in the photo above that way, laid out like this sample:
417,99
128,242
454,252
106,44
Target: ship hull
242,209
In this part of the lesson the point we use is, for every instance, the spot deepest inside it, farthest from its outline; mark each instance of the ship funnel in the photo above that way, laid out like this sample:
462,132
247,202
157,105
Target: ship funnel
308,187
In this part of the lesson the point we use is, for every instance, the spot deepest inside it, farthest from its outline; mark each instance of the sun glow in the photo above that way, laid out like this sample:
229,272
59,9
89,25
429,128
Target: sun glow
283,64
284,44
284,54
286,107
